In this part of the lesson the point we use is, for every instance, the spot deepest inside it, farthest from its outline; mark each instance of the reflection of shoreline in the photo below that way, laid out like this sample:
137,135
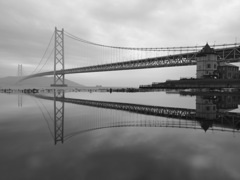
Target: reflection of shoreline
208,93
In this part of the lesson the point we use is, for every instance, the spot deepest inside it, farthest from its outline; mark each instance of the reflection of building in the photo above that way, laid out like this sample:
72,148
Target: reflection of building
206,62
208,107
228,102
228,71
205,108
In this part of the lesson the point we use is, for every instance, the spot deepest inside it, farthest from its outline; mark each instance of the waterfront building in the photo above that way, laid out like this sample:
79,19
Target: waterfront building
228,71
206,62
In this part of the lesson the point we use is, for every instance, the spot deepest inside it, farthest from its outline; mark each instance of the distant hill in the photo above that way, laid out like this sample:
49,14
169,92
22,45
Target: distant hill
34,82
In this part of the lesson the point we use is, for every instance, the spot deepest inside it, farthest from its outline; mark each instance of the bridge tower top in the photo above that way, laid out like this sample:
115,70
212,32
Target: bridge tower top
59,78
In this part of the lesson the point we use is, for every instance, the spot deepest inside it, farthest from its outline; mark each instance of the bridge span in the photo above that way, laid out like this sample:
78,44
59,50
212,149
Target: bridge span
228,54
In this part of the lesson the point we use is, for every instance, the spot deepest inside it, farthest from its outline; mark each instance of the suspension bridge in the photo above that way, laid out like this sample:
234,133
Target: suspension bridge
176,117
116,58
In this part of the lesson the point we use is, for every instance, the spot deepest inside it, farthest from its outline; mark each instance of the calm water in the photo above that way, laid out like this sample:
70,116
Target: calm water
100,143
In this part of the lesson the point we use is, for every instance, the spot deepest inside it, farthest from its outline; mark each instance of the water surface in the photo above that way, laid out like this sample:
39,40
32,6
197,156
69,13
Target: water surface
93,148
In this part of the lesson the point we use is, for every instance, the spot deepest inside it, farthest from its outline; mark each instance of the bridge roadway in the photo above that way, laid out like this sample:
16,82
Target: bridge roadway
231,121
229,54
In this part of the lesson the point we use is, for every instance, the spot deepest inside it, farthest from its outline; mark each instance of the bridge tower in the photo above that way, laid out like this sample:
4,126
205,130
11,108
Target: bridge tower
59,77
59,81
20,73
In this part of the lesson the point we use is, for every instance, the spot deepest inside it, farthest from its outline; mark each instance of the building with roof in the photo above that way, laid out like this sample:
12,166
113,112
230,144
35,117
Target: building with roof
206,62
228,71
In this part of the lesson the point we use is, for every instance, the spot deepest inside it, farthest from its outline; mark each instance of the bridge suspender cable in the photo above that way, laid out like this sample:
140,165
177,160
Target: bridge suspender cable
46,61
44,55
186,48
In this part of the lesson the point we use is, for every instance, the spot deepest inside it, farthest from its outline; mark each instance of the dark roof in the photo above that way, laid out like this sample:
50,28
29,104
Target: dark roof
206,50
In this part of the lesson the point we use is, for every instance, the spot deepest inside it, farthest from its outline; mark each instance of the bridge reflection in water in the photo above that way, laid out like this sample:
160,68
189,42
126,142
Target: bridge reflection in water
211,113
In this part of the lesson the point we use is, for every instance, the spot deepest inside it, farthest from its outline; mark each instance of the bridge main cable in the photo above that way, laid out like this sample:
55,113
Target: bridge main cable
45,52
227,52
177,48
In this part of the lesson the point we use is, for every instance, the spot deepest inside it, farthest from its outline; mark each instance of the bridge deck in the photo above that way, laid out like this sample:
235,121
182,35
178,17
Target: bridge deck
185,59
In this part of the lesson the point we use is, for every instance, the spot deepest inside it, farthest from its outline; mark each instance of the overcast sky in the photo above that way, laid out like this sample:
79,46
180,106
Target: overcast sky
26,27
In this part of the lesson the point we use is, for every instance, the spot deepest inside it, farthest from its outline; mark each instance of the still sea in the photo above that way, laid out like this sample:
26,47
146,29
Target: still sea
46,140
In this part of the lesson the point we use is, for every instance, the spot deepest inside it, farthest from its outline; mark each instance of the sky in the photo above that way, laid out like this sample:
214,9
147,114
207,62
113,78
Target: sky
26,28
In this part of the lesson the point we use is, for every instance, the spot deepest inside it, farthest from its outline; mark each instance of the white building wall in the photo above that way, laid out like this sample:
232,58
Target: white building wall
206,65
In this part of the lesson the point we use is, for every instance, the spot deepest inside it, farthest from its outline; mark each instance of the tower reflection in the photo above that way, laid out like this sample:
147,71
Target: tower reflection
58,115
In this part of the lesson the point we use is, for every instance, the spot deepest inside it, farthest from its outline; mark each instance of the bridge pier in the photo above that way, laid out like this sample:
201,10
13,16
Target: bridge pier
59,76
